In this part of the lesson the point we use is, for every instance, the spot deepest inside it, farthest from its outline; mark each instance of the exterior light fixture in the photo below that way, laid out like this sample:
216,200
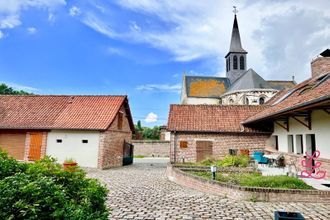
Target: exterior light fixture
213,170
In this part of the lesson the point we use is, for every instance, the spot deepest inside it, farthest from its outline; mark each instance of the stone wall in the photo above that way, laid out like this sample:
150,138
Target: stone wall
151,148
245,193
221,142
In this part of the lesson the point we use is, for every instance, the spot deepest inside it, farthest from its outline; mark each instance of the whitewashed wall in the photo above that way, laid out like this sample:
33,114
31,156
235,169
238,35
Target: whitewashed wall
239,97
86,154
320,127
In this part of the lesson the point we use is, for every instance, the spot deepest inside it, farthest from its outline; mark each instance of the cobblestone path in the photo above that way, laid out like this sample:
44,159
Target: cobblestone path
142,191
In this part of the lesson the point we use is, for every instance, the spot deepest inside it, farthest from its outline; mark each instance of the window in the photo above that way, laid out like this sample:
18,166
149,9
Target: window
235,63
183,144
120,120
228,63
241,63
299,144
227,69
247,101
275,142
233,152
261,101
220,101
58,140
231,101
84,141
290,144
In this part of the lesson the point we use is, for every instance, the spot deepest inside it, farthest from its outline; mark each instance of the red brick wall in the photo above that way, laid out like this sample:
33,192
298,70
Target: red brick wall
320,65
221,144
14,143
112,142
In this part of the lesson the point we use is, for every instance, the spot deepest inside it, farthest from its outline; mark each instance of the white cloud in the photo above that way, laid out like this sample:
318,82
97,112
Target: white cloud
280,36
74,11
2,35
32,30
21,87
51,18
160,87
10,10
151,117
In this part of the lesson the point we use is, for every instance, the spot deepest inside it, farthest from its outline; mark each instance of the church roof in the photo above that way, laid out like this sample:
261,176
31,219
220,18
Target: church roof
249,80
235,44
281,84
205,87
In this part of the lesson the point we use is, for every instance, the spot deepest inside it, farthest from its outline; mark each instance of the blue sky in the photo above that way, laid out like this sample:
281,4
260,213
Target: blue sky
141,48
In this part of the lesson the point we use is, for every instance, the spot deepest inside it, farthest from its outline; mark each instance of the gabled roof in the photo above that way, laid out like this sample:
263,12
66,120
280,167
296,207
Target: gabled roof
281,84
210,118
205,87
249,80
61,112
235,43
310,93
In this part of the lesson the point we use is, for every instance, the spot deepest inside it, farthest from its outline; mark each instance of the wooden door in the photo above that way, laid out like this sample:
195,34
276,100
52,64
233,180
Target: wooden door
35,145
203,150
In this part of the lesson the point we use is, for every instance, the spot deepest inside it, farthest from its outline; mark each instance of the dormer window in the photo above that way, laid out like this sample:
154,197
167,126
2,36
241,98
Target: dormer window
235,63
261,101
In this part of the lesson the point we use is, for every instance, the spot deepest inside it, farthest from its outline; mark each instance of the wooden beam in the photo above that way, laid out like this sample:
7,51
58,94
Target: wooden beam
286,122
308,118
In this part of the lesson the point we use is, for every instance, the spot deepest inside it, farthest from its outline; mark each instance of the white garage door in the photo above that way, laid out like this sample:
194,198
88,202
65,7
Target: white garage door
82,146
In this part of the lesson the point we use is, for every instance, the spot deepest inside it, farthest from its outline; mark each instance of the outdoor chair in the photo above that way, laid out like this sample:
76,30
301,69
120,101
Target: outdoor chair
258,156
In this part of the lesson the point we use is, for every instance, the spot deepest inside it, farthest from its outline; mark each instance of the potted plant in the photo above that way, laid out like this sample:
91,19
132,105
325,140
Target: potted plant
69,163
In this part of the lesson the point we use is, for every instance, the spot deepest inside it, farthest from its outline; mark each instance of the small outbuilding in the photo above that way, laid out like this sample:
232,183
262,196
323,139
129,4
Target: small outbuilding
96,131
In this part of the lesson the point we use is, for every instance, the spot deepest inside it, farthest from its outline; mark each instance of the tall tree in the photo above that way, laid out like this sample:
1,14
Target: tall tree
6,90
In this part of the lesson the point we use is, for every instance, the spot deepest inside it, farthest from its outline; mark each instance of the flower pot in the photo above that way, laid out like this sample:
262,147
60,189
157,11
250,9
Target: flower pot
69,165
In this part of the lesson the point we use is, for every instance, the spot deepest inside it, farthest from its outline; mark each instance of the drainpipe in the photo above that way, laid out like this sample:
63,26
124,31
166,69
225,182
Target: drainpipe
174,150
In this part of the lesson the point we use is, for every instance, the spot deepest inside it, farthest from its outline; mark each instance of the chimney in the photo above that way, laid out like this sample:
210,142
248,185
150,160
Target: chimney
321,65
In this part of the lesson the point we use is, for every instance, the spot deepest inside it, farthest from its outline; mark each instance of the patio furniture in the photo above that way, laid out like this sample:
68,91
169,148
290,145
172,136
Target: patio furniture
258,156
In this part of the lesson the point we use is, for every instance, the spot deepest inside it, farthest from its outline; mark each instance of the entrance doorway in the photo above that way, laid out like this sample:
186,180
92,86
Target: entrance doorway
35,146
203,150
311,145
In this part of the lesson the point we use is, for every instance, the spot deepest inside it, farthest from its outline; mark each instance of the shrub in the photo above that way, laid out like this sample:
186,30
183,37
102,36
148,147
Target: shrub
235,161
10,166
43,190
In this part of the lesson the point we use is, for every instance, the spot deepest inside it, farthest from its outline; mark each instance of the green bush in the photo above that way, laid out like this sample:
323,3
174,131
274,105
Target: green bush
43,190
235,161
10,166
257,180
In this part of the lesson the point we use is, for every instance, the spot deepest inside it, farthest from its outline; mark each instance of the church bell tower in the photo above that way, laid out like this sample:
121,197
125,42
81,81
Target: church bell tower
236,57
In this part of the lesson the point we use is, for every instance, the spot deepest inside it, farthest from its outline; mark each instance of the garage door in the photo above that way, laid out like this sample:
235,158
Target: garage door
13,143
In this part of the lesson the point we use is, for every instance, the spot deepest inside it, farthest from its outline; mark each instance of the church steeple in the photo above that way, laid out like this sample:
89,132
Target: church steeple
236,57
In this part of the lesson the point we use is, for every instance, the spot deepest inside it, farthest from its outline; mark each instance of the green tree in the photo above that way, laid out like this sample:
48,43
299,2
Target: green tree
6,90
147,133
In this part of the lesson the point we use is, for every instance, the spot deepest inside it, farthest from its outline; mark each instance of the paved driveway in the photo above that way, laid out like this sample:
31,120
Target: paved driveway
142,191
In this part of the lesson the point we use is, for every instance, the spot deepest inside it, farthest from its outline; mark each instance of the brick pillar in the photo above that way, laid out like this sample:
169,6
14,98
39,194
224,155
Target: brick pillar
43,145
27,146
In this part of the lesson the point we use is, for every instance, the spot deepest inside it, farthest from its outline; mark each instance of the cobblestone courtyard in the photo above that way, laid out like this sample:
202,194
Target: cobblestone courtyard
142,191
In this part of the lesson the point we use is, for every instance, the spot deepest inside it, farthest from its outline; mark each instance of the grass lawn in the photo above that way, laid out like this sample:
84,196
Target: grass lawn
257,180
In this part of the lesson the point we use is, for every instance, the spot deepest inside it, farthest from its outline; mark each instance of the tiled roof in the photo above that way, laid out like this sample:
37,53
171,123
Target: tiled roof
281,84
206,87
309,92
210,118
59,112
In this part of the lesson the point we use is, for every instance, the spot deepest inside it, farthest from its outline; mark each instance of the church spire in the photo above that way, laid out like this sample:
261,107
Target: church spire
235,43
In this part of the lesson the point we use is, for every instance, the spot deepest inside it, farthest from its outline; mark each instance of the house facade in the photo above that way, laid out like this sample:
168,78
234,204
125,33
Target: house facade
93,130
202,131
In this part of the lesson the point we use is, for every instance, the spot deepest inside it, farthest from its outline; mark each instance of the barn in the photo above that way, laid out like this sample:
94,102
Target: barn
96,131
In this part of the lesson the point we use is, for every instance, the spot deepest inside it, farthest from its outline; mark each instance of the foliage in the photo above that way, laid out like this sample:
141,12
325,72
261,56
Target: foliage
139,156
43,190
235,161
10,166
257,180
6,90
147,133
70,160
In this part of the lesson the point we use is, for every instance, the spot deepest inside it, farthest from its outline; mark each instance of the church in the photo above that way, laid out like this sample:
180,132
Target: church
241,86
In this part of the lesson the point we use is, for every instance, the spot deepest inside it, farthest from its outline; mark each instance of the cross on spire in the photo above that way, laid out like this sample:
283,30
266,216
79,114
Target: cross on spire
235,10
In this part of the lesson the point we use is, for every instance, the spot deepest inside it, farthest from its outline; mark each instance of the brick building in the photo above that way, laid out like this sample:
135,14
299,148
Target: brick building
93,130
201,131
